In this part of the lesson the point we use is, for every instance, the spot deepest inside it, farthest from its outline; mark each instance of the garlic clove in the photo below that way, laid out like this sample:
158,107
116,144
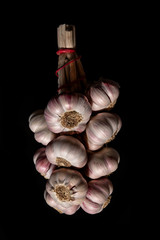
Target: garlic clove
64,185
49,200
54,107
99,98
38,125
90,207
44,136
119,122
102,128
66,151
40,152
98,132
112,89
51,169
99,191
102,163
103,94
37,121
68,112
43,166
68,101
97,196
83,106
69,211
53,122
35,113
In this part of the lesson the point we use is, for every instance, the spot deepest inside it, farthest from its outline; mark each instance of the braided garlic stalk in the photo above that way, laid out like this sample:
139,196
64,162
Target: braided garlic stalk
75,127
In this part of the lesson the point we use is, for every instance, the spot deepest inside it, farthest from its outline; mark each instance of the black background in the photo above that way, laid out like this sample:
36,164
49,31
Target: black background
108,41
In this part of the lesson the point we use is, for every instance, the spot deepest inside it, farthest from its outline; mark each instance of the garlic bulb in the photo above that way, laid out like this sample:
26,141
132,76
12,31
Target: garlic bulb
101,129
43,166
98,195
67,187
66,151
38,125
102,163
68,112
50,201
103,94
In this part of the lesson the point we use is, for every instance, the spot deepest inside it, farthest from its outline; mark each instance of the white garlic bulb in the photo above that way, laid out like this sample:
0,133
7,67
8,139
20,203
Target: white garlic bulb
38,125
103,94
43,166
50,201
67,187
101,129
68,112
102,163
98,195
66,151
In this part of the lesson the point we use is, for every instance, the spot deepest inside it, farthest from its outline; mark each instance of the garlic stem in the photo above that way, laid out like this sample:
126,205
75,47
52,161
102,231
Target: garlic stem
71,77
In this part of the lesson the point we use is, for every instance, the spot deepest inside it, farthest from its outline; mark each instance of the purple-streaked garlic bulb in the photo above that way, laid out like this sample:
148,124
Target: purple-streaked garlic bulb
102,128
43,166
67,113
67,187
103,94
38,125
66,151
98,195
51,202
102,163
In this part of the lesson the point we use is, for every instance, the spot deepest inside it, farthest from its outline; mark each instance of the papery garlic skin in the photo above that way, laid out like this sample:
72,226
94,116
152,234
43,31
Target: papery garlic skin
103,94
102,128
38,125
67,187
102,163
66,151
50,201
43,166
68,112
98,195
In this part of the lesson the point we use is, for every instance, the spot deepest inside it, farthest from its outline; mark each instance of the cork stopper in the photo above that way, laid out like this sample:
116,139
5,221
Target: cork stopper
66,36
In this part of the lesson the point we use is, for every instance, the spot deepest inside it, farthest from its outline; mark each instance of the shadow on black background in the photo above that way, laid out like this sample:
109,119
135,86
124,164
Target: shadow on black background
107,47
